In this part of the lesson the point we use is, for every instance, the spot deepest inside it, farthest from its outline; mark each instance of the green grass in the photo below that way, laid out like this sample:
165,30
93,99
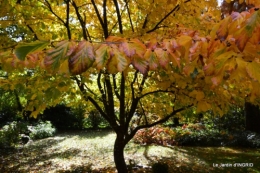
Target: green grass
80,151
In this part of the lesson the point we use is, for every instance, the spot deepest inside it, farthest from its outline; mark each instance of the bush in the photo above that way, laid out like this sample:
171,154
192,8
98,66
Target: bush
95,120
199,135
7,114
157,135
42,130
63,117
9,134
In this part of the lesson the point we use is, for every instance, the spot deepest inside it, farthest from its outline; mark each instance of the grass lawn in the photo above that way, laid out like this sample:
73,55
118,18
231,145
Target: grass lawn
78,151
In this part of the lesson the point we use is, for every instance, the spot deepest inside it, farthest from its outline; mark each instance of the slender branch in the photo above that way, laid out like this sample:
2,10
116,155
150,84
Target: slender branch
115,87
118,17
122,100
99,17
83,91
35,35
101,90
68,19
167,15
141,86
66,24
81,21
129,15
86,28
131,135
145,116
145,22
105,28
132,85
109,90
51,10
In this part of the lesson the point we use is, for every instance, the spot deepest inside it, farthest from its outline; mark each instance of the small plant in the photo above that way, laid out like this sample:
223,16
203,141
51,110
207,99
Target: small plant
157,135
160,167
9,135
42,130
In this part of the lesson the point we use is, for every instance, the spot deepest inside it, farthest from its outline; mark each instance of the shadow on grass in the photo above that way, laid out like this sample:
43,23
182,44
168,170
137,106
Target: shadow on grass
88,134
39,153
210,159
54,154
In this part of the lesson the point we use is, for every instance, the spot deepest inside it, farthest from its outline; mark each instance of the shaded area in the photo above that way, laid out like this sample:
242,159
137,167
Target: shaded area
86,151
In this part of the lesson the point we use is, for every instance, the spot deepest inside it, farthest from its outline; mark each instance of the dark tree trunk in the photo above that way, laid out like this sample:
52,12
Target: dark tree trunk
119,153
252,113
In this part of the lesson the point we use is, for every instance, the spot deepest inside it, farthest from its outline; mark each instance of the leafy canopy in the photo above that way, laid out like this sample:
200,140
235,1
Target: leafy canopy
167,51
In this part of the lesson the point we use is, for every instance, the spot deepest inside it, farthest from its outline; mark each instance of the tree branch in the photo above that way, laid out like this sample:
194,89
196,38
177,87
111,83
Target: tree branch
129,15
131,135
167,15
99,17
132,85
68,19
66,24
81,21
115,87
51,10
109,89
118,17
105,18
30,28
122,116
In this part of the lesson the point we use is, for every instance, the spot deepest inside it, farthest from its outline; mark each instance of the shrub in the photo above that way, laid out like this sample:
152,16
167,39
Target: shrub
9,135
157,135
63,117
199,135
42,130
7,114
95,120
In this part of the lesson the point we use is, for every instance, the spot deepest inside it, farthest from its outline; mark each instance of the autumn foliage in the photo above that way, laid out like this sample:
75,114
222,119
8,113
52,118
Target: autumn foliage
125,58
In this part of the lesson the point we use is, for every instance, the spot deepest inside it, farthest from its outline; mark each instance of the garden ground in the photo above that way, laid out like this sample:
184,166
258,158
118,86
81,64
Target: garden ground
92,151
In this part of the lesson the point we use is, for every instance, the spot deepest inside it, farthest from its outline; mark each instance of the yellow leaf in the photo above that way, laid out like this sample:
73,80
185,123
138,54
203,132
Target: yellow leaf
203,106
33,96
184,40
253,70
199,95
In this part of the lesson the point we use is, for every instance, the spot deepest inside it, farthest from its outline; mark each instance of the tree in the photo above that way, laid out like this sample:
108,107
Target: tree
251,111
127,59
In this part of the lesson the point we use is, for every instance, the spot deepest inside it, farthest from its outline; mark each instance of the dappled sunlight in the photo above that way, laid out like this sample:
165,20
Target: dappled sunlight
94,150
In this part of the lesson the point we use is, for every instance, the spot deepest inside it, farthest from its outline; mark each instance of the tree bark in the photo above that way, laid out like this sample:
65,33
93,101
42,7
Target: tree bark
119,153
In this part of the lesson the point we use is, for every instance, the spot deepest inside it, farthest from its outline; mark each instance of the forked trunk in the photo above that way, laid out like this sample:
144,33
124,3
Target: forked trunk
119,154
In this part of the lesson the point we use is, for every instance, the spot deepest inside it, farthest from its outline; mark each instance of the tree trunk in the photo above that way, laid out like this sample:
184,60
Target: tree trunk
252,113
119,153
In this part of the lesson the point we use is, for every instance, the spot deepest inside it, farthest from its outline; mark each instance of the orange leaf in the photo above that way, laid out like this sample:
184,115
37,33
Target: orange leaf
222,32
81,58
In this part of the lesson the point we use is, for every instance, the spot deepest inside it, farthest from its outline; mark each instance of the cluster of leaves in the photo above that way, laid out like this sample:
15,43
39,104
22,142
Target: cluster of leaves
155,135
42,130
